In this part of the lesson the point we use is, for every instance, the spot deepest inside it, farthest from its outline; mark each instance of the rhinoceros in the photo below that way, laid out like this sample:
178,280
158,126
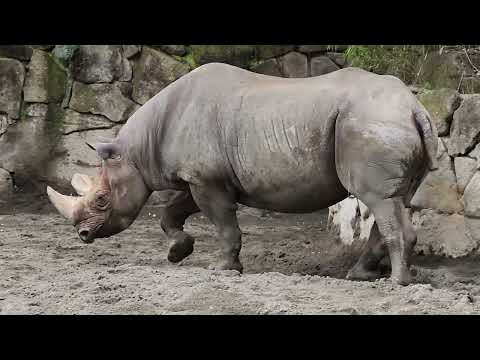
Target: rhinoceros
222,135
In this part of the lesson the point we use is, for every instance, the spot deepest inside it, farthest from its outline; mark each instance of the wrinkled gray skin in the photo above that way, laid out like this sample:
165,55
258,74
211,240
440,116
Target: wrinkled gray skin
222,135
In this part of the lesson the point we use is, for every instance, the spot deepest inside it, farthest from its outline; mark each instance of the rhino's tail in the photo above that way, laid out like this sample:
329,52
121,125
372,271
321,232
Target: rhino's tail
428,133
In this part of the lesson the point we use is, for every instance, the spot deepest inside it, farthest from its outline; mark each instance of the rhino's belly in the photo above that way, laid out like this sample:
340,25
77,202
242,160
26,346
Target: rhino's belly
292,183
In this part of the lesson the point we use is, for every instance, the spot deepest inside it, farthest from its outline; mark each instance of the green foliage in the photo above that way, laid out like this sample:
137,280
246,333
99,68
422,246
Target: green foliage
398,60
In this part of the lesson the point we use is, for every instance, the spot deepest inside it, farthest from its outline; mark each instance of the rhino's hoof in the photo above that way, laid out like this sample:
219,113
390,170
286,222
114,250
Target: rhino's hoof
404,278
179,250
227,265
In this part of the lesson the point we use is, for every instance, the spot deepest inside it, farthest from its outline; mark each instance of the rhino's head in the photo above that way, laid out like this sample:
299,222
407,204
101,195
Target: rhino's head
108,204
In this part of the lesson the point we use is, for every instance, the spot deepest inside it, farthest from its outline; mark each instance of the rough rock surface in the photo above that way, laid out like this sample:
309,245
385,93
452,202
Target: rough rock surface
72,155
98,64
12,75
294,65
312,48
5,122
441,104
19,52
154,71
102,99
268,67
178,50
465,126
321,65
238,55
74,121
441,234
471,197
46,79
6,185
464,170
131,50
338,58
439,189
265,52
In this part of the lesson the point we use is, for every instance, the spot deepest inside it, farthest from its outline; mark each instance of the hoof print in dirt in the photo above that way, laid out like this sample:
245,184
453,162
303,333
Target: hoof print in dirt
179,250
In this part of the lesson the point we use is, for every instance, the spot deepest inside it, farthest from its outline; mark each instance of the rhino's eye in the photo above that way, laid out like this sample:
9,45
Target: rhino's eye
101,201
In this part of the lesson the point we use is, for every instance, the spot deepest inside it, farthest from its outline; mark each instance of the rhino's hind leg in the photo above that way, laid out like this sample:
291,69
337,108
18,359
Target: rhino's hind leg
375,250
176,212
390,216
220,207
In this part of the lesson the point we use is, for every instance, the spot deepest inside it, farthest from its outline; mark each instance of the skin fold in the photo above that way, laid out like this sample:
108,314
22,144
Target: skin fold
221,135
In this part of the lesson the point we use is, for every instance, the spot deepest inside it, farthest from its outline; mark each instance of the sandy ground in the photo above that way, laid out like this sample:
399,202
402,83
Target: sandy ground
292,266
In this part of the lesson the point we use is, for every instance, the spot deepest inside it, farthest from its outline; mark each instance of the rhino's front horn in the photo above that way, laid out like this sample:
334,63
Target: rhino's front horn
64,204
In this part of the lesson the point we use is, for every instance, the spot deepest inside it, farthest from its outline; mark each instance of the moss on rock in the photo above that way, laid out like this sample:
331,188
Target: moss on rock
238,55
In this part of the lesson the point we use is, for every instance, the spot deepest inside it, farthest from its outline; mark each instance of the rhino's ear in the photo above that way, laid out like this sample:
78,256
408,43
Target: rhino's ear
82,183
106,150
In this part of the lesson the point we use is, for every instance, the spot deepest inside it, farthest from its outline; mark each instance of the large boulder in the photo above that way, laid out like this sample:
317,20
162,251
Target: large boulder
441,104
238,55
268,67
321,65
19,52
46,79
338,58
294,65
100,64
6,185
350,221
72,156
131,50
75,122
153,71
102,99
471,197
442,234
439,189
12,75
312,48
465,168
465,127
178,50
264,52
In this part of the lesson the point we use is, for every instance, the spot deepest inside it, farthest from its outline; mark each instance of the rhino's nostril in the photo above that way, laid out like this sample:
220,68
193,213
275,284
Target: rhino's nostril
84,234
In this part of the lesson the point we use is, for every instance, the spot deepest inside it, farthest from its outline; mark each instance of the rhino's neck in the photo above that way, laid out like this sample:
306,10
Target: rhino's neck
142,138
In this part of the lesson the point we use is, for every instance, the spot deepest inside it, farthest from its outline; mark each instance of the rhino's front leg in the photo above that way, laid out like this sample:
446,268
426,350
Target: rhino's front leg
220,206
179,208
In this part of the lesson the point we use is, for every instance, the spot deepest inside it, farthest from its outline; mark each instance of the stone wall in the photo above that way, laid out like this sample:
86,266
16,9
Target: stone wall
446,207
54,98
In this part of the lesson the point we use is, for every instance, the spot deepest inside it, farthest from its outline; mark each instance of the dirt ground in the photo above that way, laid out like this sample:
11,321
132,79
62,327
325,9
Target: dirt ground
292,266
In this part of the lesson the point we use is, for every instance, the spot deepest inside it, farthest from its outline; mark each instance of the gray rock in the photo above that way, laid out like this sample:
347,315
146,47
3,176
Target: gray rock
130,50
5,122
127,70
312,48
98,64
6,185
442,234
43,47
338,58
465,127
294,65
439,189
238,55
264,52
19,52
36,109
64,53
102,99
464,170
441,104
153,71
321,65
178,50
72,156
46,79
12,75
268,67
471,197
74,121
